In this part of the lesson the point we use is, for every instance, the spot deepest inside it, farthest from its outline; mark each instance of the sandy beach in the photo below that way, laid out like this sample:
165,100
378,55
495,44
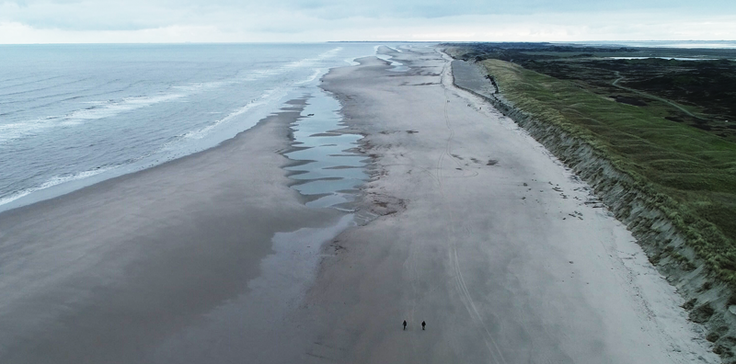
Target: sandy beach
466,223
142,267
486,237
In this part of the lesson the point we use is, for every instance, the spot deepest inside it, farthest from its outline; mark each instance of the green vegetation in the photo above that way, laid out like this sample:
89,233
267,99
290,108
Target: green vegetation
687,172
701,93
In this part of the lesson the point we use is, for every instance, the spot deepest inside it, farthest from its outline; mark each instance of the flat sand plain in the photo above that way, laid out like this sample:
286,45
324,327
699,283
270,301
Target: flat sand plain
199,260
486,237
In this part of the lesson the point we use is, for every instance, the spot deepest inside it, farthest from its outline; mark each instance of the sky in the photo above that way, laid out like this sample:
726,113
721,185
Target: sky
174,21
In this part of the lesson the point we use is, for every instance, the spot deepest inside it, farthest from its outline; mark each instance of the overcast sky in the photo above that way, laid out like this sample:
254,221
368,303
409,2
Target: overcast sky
106,21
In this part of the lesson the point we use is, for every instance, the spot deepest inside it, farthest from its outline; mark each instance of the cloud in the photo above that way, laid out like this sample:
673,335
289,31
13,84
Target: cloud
319,20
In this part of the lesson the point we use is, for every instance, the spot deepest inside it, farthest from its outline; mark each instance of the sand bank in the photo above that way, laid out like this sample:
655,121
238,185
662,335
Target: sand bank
486,237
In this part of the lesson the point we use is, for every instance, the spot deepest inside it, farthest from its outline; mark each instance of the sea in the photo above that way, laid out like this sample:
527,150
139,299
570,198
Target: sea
74,115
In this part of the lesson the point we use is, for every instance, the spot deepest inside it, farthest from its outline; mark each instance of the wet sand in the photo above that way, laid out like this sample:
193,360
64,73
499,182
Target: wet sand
165,265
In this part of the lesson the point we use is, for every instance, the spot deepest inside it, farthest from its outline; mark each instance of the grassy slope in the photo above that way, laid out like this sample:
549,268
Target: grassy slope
688,173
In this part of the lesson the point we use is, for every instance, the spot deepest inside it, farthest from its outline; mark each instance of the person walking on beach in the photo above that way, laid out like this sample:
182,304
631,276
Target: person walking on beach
423,324
404,324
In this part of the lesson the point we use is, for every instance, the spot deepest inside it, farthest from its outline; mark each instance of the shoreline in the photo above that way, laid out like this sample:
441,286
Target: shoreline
251,90
133,267
53,192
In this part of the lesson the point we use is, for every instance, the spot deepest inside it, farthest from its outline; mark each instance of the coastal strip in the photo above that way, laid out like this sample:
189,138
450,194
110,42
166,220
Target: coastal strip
466,225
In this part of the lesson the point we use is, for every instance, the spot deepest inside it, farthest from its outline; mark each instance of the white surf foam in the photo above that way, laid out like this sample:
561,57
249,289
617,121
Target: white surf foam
317,73
96,111
201,133
310,61
55,181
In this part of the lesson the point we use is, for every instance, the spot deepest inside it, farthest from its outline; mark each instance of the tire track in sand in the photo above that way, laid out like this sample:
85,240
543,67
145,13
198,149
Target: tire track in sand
460,283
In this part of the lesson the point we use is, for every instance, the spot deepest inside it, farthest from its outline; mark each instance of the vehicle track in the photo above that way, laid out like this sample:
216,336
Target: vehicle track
460,283
668,102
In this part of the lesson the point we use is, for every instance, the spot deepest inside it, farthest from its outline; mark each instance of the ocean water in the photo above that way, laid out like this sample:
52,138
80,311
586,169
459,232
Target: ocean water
73,115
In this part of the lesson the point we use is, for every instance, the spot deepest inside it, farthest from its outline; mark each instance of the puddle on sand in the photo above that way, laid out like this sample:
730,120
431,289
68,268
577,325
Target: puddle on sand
327,172
329,175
